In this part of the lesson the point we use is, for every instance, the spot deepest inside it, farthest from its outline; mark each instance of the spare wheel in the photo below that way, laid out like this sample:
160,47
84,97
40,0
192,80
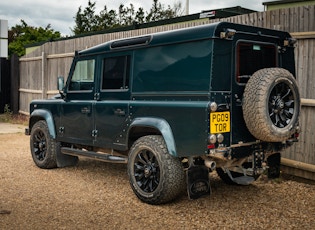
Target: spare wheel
271,105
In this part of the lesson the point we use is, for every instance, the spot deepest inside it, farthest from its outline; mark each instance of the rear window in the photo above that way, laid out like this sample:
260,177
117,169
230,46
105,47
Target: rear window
252,57
116,73
173,68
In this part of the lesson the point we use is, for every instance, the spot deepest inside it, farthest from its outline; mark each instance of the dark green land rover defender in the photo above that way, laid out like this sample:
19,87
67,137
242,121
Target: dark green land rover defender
175,106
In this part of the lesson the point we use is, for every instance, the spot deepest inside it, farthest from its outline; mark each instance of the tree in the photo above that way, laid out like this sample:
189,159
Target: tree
140,16
23,34
156,12
87,20
126,15
107,19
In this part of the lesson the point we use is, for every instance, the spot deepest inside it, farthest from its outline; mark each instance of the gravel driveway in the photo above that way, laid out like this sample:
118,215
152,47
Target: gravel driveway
97,195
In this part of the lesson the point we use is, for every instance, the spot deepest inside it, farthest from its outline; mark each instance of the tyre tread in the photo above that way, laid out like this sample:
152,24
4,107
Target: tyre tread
50,160
172,173
254,105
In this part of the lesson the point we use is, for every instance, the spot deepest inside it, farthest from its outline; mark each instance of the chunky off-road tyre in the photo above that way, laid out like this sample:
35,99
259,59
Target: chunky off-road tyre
271,105
43,147
155,176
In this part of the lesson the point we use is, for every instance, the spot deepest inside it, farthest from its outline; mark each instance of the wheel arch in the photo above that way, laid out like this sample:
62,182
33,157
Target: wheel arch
42,114
149,125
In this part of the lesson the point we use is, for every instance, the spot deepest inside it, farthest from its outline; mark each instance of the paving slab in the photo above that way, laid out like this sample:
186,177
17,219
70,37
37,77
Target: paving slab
11,128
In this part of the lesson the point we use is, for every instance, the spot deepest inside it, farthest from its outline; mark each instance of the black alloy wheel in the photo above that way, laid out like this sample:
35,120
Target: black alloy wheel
147,171
39,145
281,105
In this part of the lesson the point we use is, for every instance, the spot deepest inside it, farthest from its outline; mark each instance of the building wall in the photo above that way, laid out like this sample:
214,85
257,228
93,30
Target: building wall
279,5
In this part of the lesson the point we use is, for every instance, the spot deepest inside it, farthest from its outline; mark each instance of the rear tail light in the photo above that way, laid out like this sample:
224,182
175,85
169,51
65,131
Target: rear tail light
212,139
220,138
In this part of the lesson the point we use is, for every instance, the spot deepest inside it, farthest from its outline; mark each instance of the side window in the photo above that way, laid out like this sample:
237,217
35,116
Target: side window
83,75
252,57
116,72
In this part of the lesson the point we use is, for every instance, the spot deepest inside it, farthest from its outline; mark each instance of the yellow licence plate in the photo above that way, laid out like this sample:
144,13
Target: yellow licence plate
220,122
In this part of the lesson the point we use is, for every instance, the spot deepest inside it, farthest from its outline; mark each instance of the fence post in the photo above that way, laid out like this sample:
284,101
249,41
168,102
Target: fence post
15,83
44,75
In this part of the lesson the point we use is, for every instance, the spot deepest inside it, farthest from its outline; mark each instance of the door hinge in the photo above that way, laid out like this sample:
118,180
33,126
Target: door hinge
94,133
96,96
61,129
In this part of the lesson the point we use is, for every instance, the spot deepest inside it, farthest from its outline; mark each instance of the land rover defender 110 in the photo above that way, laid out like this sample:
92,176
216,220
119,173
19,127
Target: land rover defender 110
175,106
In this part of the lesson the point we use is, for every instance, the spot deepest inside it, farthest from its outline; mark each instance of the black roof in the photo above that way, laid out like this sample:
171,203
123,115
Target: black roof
201,32
282,2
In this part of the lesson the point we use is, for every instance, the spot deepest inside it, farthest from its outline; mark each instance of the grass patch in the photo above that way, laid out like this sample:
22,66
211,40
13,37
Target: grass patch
9,117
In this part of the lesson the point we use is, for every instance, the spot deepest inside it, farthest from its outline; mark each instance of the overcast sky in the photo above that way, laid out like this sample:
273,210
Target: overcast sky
60,13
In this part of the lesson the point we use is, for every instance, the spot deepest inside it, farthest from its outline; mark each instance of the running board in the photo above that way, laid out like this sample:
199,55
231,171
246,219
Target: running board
241,180
94,155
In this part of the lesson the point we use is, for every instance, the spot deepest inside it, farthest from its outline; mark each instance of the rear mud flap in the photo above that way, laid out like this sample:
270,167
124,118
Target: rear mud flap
198,183
64,160
274,162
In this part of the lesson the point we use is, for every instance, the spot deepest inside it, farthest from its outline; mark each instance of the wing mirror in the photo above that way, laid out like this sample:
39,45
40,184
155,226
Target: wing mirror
61,85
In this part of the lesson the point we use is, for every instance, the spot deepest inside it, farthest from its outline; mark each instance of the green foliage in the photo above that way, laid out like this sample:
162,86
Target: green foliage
88,21
23,34
158,12
7,115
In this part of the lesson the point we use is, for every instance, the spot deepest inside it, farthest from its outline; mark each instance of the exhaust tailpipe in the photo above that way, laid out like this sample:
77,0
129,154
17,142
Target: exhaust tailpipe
210,164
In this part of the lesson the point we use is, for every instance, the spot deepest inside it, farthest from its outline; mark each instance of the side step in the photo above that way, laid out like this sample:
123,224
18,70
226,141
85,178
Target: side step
94,155
242,180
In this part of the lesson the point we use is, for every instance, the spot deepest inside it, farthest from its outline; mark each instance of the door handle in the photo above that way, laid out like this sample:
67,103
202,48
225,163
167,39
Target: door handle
85,110
119,112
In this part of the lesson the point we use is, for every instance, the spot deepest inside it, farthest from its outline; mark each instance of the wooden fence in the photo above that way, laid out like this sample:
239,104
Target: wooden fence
40,69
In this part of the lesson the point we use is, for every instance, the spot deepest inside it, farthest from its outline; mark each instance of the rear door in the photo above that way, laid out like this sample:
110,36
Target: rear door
250,56
112,107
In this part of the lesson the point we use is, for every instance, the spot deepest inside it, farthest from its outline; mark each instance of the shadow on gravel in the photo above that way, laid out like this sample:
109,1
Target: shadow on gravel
221,192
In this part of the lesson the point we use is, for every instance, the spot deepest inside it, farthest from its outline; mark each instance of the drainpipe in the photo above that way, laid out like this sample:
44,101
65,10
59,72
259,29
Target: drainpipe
187,7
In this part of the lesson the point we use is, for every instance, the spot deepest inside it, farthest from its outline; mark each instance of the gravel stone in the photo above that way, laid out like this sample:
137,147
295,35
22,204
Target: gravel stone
97,195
